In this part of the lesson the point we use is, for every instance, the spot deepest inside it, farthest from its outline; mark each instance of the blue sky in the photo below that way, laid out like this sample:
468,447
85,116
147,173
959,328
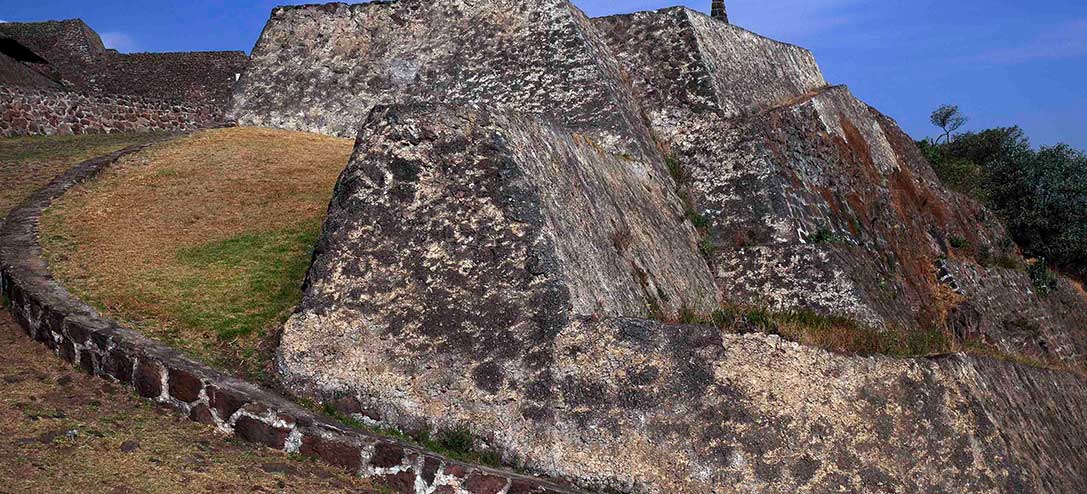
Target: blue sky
1004,62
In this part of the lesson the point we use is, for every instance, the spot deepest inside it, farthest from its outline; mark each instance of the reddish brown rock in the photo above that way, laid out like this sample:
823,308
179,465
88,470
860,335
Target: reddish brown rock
387,455
332,452
184,386
225,403
202,414
256,431
480,483
399,483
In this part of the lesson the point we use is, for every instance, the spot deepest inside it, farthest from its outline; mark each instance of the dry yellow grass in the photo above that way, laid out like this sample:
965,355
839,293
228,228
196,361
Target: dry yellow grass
201,242
28,163
63,432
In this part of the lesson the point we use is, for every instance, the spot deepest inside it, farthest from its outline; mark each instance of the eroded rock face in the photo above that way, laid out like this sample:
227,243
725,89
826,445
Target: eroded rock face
816,201
476,237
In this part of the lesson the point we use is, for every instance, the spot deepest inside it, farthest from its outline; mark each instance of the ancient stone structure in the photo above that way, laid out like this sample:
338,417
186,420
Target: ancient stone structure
84,64
25,111
57,77
99,346
718,11
814,200
526,180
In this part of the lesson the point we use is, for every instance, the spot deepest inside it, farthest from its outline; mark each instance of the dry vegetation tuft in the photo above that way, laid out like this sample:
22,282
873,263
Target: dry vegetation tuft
201,242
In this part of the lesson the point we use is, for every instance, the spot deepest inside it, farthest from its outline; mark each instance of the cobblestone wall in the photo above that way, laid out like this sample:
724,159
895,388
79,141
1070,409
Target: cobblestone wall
26,111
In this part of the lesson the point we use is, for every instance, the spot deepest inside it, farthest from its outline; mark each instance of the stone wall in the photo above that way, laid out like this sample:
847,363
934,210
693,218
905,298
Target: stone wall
812,200
76,53
194,77
331,64
71,329
16,73
25,111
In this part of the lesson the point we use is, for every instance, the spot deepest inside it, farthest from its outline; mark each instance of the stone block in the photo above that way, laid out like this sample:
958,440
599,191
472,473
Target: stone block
148,379
184,386
257,431
387,455
225,403
338,453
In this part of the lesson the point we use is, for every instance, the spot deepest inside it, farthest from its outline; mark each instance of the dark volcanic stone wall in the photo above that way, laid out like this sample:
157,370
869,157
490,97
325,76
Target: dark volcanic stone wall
16,73
25,111
70,46
441,297
204,77
479,256
474,238
83,63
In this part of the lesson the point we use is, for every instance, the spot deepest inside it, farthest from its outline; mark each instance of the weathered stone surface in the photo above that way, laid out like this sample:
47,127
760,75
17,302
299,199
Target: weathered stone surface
184,386
397,483
25,111
475,260
816,201
387,455
148,379
202,414
74,59
225,403
331,64
332,452
118,365
481,483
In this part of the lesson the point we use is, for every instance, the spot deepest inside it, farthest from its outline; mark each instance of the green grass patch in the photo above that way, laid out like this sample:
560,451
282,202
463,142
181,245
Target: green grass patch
824,235
244,284
1044,280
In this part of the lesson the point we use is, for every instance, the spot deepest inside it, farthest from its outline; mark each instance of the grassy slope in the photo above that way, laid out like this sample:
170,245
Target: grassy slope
201,242
62,432
28,163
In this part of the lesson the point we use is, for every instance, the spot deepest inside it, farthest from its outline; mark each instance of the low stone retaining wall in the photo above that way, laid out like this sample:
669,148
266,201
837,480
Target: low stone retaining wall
25,111
101,347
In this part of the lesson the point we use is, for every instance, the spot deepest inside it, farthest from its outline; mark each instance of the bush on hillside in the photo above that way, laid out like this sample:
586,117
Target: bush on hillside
1041,195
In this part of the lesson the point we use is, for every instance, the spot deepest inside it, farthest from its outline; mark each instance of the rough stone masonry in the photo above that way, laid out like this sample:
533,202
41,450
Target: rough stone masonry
529,184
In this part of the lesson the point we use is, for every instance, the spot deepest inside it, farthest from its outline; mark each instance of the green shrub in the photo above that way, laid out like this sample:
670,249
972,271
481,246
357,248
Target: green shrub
1040,195
1045,281
824,235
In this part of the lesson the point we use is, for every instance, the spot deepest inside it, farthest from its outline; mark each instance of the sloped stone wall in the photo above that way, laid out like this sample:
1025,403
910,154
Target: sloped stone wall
331,64
815,201
453,286
16,73
76,53
192,77
99,346
25,111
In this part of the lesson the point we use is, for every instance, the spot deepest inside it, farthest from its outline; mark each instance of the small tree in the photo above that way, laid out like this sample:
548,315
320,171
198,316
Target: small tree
948,118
